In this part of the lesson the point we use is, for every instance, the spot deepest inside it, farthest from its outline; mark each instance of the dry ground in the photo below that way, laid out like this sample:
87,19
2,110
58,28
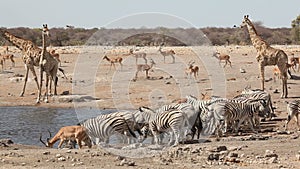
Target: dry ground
89,75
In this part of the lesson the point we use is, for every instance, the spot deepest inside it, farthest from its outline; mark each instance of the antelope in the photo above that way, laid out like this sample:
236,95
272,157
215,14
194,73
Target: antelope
191,69
113,61
7,57
167,53
77,133
55,55
295,61
138,55
144,67
223,57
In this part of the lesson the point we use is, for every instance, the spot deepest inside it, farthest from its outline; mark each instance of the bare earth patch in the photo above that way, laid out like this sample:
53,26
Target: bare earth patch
108,89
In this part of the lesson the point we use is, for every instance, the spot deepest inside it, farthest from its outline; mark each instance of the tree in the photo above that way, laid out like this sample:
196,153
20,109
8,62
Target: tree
296,30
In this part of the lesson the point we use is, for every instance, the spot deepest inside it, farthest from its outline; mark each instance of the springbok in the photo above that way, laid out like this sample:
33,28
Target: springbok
77,133
223,57
138,55
295,61
192,69
143,67
8,57
167,53
113,61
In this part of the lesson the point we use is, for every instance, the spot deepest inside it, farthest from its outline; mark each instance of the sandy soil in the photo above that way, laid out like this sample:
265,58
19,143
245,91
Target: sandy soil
89,75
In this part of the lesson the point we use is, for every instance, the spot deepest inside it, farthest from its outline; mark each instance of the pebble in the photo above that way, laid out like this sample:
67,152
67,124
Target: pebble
46,153
58,155
61,159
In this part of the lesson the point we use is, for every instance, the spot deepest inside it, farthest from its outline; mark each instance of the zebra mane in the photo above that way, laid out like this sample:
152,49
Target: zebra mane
146,109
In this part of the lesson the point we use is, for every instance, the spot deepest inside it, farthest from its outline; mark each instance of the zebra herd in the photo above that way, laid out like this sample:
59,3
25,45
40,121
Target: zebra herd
183,120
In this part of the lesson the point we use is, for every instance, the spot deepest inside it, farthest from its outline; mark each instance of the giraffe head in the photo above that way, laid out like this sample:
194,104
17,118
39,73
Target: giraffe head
45,30
246,21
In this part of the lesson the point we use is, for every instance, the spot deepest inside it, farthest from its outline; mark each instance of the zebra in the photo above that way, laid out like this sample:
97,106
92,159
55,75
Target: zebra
201,107
259,94
173,120
130,119
167,121
293,108
103,126
231,111
188,109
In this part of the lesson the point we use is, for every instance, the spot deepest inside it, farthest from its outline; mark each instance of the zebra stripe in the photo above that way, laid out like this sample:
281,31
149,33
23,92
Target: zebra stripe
293,109
192,116
104,126
232,111
173,120
130,119
259,94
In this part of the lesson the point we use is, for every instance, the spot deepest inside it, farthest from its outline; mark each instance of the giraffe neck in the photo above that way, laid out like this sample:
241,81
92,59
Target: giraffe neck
256,40
20,43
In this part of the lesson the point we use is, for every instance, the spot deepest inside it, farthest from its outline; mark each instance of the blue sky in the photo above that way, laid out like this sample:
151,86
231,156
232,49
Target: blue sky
99,13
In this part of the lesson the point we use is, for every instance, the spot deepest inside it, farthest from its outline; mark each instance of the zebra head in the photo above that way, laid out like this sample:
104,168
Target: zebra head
143,114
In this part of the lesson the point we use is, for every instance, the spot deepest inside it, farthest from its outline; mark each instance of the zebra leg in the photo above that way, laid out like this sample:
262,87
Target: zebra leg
252,126
171,138
297,121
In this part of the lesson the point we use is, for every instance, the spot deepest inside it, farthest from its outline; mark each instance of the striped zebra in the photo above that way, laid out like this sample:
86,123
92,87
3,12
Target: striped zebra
130,119
259,94
234,111
173,120
192,115
102,127
201,107
293,109
169,121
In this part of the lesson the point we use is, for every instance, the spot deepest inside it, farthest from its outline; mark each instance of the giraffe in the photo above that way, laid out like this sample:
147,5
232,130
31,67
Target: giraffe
267,56
31,57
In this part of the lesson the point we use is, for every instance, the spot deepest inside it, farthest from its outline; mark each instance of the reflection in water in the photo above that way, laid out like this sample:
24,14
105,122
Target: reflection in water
24,124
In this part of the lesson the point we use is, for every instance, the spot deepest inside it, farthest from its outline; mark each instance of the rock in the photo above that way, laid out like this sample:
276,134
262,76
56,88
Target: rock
127,163
65,92
58,155
221,148
270,153
213,156
233,154
242,70
276,91
272,160
167,82
46,153
61,159
298,157
6,141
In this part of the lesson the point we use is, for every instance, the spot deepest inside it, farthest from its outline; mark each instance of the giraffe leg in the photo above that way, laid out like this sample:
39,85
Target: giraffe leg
25,80
283,72
46,92
262,74
41,84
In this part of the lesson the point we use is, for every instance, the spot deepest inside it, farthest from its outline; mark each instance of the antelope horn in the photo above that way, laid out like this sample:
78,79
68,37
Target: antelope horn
42,140
49,133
